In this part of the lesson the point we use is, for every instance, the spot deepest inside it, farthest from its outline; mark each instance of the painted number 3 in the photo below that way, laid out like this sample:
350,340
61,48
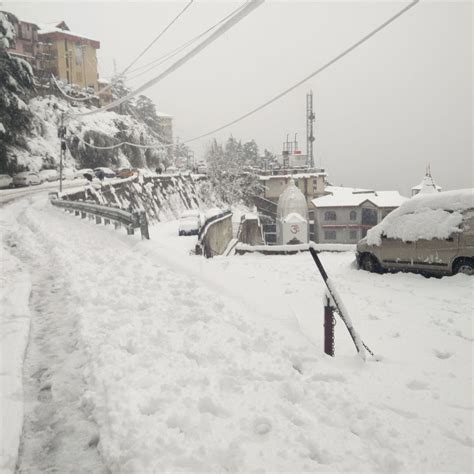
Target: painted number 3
295,228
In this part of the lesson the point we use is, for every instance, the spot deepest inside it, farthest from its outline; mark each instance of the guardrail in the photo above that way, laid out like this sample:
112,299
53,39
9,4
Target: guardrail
131,220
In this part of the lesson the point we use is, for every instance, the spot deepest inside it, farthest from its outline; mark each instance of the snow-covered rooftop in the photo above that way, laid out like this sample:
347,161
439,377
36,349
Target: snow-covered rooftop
47,29
351,197
425,216
294,176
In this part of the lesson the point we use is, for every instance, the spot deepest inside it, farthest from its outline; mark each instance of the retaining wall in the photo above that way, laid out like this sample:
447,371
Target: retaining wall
162,197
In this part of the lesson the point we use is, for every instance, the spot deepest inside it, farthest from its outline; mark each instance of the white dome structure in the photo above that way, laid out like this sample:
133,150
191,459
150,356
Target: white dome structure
427,185
292,216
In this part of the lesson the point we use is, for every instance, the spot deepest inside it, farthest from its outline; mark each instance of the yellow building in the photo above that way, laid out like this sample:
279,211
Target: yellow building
68,56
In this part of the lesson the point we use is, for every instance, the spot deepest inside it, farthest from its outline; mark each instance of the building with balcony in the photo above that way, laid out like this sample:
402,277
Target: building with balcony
69,56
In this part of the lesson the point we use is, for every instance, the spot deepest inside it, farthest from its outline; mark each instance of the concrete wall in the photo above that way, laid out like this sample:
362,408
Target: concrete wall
251,232
217,237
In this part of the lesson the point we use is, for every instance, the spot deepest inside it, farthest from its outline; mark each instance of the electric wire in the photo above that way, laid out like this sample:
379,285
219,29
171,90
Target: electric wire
168,26
302,81
231,22
156,62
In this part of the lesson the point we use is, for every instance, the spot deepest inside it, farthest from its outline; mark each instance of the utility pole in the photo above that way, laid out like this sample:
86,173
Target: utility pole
309,129
62,149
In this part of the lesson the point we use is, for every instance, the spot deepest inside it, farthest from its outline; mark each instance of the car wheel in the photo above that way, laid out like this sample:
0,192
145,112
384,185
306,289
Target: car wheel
464,266
370,264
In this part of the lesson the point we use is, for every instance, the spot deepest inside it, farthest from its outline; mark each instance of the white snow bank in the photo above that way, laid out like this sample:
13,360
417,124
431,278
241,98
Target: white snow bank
431,216
15,288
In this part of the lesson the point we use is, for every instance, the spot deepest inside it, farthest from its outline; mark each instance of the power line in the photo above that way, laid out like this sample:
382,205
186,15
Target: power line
79,99
232,21
175,19
168,26
318,71
170,54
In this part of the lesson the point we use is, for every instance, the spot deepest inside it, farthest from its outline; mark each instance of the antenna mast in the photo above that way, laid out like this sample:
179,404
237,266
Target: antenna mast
309,130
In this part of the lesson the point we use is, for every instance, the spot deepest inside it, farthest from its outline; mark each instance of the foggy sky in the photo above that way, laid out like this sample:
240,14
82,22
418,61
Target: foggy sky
401,101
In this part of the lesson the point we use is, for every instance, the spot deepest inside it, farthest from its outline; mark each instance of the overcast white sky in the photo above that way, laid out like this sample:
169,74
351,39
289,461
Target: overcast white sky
402,100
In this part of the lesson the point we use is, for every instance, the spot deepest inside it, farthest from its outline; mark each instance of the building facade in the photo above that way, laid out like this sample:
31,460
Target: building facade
68,56
26,41
310,182
345,215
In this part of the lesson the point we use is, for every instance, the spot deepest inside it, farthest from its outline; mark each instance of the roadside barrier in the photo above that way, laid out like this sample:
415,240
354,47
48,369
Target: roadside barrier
131,220
203,247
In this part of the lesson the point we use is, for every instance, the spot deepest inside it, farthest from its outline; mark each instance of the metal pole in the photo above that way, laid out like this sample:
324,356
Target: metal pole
61,151
329,323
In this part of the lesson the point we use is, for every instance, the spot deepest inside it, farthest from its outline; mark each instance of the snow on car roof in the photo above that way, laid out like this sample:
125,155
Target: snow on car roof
341,197
429,216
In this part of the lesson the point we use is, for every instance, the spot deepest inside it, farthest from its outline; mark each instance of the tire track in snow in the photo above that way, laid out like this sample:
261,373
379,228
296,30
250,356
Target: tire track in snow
57,435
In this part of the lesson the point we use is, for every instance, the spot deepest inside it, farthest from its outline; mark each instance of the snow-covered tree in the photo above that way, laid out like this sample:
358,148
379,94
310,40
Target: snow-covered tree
230,182
16,87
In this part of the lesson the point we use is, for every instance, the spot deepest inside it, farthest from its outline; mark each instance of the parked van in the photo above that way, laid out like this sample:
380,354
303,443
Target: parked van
427,234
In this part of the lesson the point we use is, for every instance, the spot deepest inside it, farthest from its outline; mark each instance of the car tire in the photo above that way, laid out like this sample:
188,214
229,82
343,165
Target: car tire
464,266
370,263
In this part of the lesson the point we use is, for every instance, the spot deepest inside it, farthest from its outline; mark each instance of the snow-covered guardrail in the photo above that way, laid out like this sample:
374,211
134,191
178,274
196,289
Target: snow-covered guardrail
131,220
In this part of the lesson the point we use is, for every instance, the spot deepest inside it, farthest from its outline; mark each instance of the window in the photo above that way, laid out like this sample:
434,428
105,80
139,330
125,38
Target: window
369,216
329,235
353,215
79,54
353,235
330,216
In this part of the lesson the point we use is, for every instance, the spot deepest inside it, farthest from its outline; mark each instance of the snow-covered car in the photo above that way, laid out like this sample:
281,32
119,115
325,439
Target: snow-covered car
26,178
69,173
48,175
431,234
6,181
80,173
126,173
190,222
104,172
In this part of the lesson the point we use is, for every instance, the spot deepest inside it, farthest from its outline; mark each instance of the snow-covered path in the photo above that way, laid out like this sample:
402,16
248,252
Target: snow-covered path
184,364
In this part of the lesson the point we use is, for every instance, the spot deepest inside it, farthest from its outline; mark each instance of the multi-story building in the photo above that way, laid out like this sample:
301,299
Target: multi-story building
26,41
69,56
344,215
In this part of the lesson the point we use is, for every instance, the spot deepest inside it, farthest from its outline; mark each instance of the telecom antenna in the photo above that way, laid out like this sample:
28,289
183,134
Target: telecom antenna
309,129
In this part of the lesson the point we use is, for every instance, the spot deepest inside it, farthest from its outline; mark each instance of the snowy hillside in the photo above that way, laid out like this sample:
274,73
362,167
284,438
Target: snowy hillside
30,115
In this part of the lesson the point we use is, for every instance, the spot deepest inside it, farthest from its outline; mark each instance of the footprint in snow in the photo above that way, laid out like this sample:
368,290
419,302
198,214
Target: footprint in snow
442,354
417,385
262,426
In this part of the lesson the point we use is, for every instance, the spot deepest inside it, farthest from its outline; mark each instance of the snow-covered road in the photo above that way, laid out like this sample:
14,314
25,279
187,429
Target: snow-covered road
143,358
